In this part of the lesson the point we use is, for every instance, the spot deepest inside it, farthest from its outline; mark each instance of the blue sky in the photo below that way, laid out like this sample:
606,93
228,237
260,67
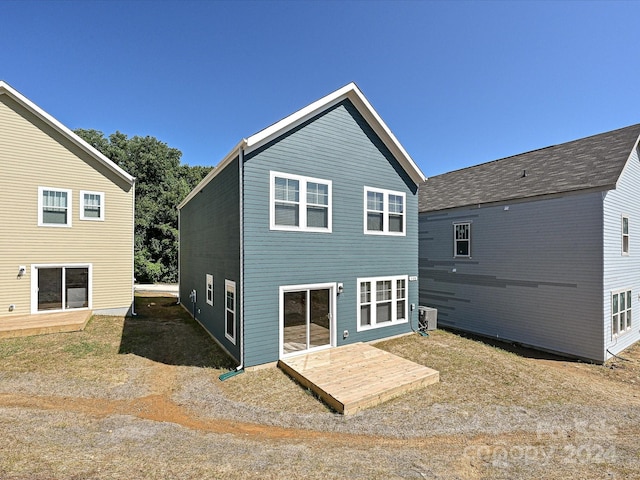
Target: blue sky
459,83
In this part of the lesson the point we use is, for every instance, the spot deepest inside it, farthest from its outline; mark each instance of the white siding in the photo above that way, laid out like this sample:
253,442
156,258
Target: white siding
622,271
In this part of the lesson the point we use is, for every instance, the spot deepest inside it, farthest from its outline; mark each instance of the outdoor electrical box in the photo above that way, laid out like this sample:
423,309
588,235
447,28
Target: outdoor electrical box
427,318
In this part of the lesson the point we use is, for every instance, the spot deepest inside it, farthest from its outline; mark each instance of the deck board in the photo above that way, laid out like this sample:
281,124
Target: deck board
358,376
43,323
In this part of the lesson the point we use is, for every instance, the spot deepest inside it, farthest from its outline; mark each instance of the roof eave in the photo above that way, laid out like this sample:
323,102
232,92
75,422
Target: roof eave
353,93
531,198
6,89
213,173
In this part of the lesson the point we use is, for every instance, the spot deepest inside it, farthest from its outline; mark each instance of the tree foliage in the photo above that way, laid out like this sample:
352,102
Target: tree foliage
162,182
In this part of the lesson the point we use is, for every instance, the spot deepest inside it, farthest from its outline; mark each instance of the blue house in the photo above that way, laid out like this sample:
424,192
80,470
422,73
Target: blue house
305,236
541,248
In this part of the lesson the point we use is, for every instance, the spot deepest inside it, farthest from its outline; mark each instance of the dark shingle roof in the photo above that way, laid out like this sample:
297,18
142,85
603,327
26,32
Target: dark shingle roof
592,162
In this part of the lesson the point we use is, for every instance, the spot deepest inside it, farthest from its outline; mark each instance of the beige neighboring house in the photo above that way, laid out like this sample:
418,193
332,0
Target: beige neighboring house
67,218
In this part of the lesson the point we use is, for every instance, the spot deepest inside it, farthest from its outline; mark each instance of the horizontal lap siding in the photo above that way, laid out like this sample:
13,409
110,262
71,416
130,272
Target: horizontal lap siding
210,244
622,271
340,147
33,155
534,276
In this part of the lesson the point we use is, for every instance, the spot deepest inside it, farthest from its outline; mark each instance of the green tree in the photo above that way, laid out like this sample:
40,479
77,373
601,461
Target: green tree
162,182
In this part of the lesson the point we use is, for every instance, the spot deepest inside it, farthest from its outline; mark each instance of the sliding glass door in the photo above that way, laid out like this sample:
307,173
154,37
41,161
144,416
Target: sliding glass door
307,315
62,288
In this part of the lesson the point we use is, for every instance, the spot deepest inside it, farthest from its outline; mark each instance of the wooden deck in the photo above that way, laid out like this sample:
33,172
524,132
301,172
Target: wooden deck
354,377
43,323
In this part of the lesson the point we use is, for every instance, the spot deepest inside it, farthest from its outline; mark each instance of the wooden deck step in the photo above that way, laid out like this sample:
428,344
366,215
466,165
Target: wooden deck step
40,324
354,377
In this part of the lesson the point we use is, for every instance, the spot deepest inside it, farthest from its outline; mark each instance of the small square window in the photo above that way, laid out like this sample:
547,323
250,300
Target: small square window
91,205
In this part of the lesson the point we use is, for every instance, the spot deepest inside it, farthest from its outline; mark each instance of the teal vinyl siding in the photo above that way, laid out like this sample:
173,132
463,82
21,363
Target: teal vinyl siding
210,244
337,145
622,271
534,275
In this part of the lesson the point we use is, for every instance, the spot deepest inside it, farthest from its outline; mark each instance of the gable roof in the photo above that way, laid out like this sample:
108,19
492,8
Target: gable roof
594,162
350,92
6,89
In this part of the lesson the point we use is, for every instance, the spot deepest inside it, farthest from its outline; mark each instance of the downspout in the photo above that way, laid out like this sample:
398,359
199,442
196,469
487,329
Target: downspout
240,368
179,247
133,254
241,226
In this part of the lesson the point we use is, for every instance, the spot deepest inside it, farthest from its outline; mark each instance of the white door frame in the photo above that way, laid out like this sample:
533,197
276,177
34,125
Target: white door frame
333,304
34,285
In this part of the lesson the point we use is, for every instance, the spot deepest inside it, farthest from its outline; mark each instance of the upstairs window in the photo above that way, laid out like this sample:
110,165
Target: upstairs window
461,239
625,235
300,203
384,212
53,207
620,312
91,205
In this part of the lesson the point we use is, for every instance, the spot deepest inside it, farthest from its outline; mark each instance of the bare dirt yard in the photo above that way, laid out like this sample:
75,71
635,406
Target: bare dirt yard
139,398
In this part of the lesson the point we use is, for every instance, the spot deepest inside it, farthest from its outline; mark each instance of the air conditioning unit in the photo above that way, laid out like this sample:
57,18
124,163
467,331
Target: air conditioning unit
427,318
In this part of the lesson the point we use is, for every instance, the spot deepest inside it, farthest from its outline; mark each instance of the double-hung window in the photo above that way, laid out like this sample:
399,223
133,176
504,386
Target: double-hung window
230,310
209,284
384,212
625,235
54,207
620,312
382,301
462,239
300,203
91,205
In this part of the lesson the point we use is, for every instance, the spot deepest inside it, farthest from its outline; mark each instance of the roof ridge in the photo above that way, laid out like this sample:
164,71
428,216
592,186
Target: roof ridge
535,150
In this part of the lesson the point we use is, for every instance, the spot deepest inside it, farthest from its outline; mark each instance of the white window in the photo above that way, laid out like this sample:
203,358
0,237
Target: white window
300,203
620,312
209,289
54,207
382,301
461,239
230,310
91,205
384,212
625,235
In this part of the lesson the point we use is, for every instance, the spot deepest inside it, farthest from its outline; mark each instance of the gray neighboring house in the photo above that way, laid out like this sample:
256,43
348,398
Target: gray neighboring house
541,248
305,236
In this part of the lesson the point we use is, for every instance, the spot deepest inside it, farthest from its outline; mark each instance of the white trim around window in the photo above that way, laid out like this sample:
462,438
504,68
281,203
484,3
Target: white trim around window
54,207
209,289
91,206
299,203
382,301
384,212
621,302
462,239
625,234
230,306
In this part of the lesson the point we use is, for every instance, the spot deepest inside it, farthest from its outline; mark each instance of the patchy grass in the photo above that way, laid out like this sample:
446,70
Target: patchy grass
140,398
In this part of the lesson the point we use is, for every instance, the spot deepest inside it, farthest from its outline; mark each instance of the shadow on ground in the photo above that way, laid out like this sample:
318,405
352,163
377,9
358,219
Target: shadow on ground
163,332
513,347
